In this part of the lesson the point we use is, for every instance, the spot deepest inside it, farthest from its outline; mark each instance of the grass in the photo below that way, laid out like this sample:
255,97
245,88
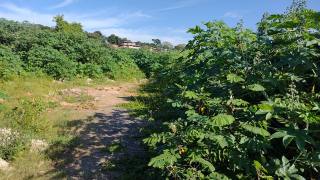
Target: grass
53,123
58,123
138,106
28,165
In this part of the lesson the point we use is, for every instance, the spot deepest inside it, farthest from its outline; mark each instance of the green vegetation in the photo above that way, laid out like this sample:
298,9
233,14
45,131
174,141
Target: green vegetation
239,104
233,104
63,52
36,64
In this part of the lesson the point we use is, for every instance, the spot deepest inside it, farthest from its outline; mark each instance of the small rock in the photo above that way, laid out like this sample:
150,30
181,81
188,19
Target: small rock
1,101
4,165
38,145
89,81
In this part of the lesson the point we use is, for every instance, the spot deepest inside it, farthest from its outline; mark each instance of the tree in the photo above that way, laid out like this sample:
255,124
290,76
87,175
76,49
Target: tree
157,42
180,47
114,39
167,45
98,36
64,26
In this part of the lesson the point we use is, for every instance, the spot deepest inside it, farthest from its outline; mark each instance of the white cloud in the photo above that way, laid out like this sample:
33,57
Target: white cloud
233,15
89,21
64,3
14,12
178,5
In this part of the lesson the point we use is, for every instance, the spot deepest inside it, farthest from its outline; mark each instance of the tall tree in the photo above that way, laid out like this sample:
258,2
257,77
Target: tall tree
114,39
157,42
64,26
167,45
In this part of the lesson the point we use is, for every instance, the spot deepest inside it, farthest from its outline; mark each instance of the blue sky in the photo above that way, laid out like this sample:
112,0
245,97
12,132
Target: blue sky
144,20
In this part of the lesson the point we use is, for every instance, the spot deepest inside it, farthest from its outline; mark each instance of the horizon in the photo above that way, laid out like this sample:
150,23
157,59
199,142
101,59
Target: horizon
144,20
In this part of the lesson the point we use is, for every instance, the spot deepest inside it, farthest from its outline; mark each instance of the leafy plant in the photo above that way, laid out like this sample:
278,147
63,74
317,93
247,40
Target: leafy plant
238,101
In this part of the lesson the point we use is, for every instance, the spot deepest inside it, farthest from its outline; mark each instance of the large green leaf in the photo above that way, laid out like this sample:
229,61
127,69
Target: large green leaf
163,160
204,163
222,120
255,130
233,78
256,87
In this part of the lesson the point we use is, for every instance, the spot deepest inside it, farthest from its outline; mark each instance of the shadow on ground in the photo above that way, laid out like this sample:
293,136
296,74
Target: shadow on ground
88,156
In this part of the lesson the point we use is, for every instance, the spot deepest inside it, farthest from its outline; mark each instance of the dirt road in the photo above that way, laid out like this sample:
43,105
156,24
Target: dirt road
104,126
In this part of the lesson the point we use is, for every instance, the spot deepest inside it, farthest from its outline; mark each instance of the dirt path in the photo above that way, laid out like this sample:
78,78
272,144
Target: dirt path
104,125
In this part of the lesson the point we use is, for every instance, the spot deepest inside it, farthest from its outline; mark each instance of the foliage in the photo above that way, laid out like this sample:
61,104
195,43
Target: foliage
90,70
240,104
149,62
62,25
63,52
10,63
27,116
11,142
51,61
114,39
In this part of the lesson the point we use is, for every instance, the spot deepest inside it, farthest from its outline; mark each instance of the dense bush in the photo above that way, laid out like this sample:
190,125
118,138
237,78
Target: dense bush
51,61
90,70
63,52
122,66
242,105
149,61
27,116
10,64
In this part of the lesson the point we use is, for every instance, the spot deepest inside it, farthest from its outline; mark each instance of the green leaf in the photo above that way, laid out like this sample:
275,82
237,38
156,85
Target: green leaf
233,78
219,176
265,108
221,140
238,102
209,24
204,163
259,167
268,116
164,160
222,120
256,87
287,140
190,95
300,142
279,134
195,30
310,43
255,130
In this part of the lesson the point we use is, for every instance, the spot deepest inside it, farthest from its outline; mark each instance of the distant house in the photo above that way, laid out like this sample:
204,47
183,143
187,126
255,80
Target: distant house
129,44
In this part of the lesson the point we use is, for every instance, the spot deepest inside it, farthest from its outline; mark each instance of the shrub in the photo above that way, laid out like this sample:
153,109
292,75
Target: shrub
122,67
11,143
27,116
52,62
91,70
242,105
10,64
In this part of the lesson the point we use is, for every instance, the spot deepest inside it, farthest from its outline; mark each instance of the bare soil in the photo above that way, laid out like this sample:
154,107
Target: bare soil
102,123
